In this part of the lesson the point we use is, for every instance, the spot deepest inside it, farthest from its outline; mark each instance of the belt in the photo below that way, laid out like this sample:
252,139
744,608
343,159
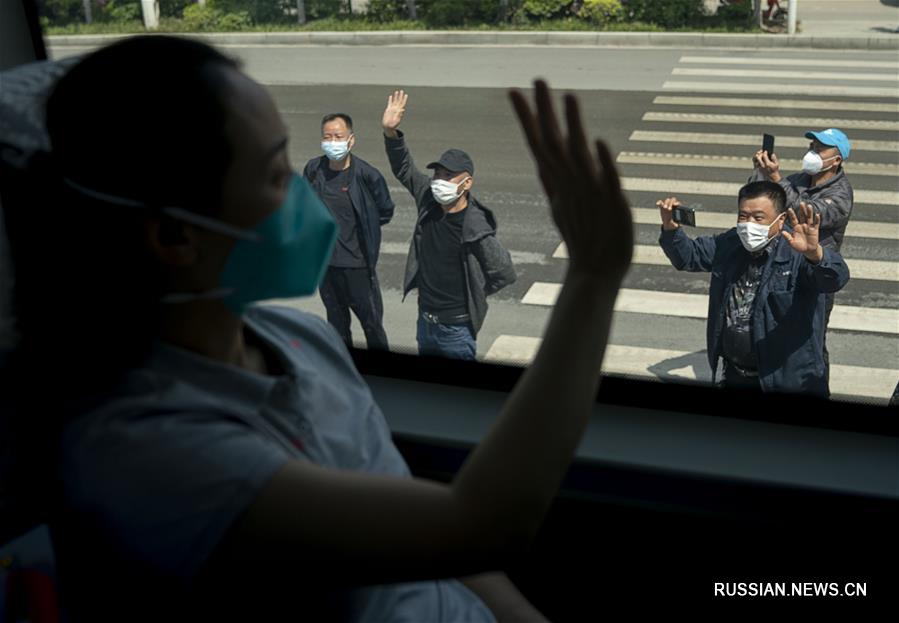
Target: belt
741,371
444,318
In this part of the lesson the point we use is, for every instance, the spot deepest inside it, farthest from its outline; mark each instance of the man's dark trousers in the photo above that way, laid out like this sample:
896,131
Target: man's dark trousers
344,289
453,341
828,307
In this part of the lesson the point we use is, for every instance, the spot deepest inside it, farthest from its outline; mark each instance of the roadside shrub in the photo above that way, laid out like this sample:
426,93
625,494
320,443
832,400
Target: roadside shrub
199,18
174,8
383,11
233,21
545,9
601,12
667,13
258,11
740,12
280,11
207,18
322,9
61,11
440,13
122,11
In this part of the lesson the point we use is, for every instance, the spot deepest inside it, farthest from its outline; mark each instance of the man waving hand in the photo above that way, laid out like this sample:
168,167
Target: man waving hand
455,259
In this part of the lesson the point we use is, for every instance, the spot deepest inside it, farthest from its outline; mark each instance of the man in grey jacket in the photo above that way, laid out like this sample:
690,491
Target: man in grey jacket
454,259
823,185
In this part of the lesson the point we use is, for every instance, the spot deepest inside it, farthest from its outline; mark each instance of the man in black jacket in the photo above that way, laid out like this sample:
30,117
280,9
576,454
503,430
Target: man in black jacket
357,196
454,260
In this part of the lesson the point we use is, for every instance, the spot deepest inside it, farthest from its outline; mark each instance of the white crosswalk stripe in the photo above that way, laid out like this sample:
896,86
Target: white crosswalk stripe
749,102
860,269
766,120
764,88
843,317
754,140
727,189
679,365
742,162
791,75
720,220
786,61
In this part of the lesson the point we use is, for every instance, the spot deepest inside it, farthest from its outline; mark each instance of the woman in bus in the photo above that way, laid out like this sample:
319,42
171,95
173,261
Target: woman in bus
215,454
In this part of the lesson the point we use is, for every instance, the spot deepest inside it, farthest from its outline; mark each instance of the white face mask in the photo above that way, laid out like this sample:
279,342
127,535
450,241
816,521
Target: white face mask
446,192
336,150
754,236
812,163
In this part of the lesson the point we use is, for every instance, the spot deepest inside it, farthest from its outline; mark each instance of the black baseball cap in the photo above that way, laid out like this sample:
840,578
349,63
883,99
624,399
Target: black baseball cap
454,160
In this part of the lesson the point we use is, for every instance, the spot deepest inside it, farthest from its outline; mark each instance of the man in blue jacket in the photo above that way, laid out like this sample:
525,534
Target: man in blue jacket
357,196
766,296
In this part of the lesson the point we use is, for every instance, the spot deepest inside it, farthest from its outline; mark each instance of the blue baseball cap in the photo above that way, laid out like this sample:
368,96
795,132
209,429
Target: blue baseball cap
832,138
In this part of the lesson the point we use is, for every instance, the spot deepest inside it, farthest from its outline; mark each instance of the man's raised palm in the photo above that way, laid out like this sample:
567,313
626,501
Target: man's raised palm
804,237
396,107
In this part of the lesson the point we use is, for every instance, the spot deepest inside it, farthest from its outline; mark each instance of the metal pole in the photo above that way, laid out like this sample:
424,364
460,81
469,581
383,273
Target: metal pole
301,12
150,10
791,17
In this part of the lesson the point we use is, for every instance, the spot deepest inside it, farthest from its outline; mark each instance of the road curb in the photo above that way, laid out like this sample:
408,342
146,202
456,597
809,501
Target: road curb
596,39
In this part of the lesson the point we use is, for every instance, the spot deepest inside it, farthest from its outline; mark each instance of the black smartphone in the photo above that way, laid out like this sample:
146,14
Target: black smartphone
768,144
684,215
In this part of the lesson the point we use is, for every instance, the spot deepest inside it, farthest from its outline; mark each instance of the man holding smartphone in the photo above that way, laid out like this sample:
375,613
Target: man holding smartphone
822,184
766,315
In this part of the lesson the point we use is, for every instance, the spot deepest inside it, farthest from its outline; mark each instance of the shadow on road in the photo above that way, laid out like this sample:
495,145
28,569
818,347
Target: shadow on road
697,363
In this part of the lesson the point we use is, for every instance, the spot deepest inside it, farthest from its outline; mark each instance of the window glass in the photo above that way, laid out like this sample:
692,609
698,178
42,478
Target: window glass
684,119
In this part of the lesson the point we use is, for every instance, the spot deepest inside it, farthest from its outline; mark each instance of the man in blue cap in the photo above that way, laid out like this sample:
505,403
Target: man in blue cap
823,185
455,260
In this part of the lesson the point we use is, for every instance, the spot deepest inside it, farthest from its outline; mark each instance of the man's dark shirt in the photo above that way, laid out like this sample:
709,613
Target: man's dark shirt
737,343
441,278
347,251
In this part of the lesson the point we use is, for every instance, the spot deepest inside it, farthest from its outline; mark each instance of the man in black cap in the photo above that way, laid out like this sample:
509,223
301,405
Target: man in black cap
454,260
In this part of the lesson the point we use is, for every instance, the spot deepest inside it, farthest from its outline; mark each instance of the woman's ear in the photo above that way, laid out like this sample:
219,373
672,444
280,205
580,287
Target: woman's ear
171,242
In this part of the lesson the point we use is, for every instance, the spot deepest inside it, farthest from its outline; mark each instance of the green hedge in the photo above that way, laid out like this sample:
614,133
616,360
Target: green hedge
61,12
666,13
186,15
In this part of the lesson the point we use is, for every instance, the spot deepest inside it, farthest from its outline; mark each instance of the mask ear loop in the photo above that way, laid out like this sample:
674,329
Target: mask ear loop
835,156
459,191
774,222
183,215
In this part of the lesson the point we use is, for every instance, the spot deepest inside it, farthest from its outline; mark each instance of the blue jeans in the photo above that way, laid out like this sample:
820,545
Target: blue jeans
453,341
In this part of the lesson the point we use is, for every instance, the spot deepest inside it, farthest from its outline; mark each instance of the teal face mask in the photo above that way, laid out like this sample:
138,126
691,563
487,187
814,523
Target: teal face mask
284,256
290,255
